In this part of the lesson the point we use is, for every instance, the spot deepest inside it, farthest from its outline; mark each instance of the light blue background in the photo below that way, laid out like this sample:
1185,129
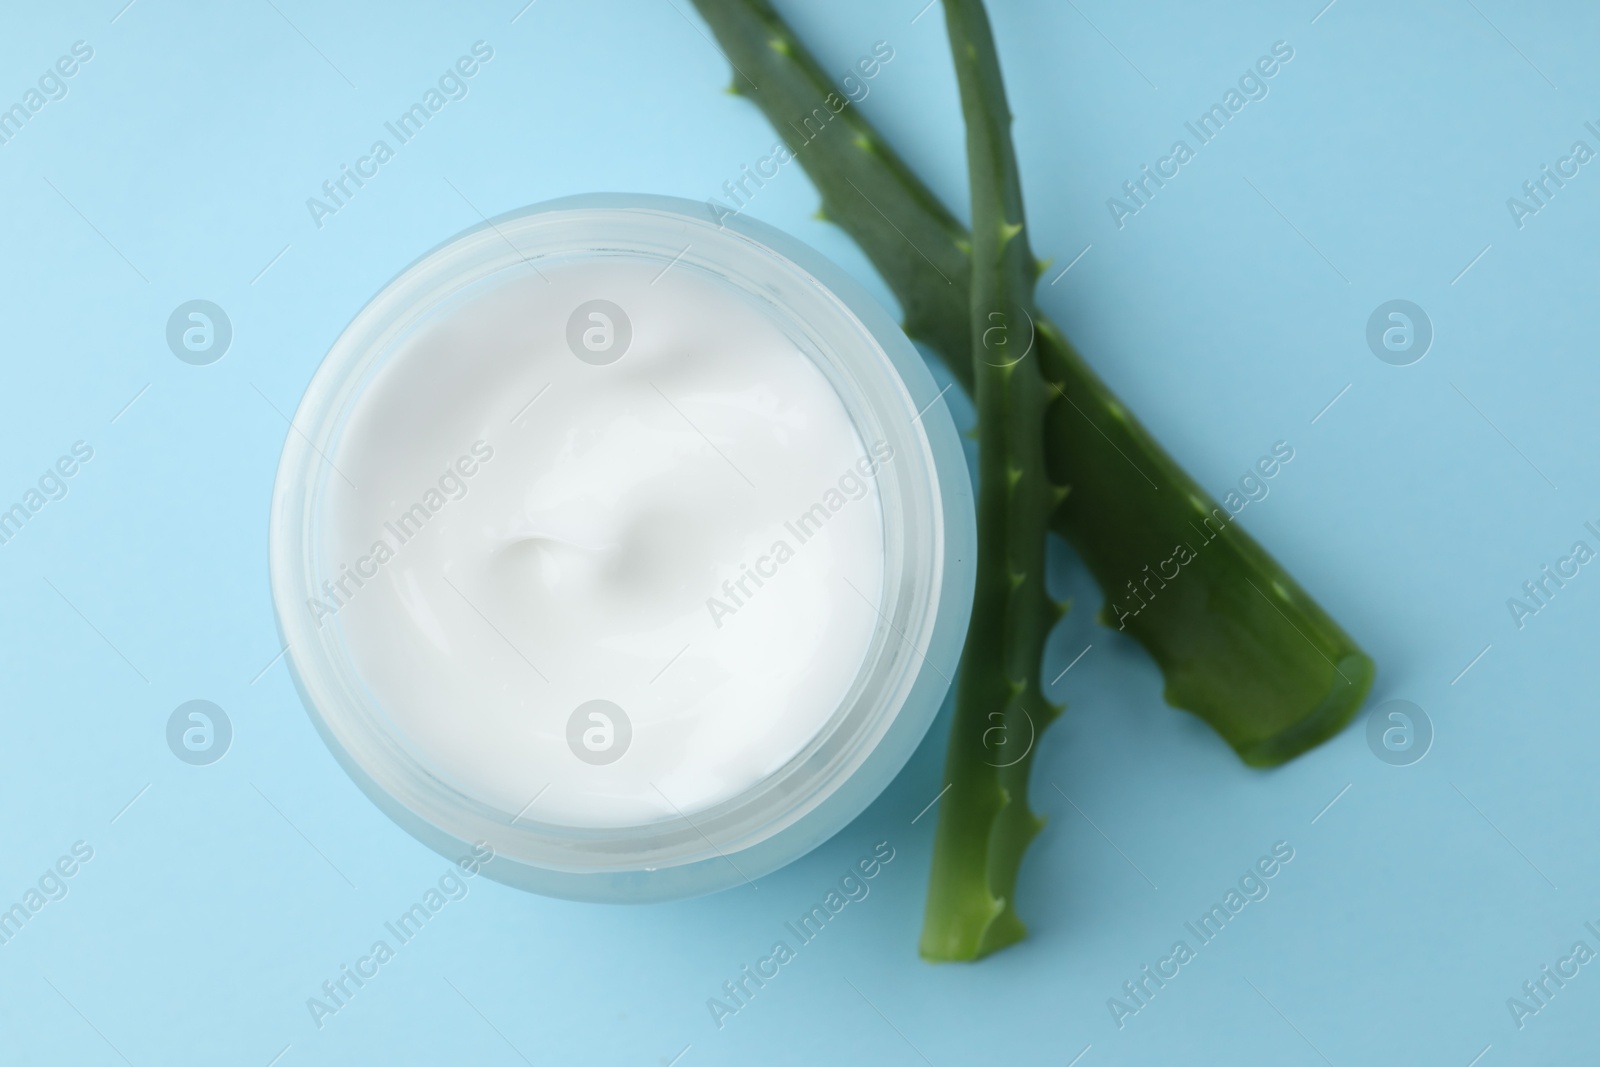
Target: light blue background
1226,316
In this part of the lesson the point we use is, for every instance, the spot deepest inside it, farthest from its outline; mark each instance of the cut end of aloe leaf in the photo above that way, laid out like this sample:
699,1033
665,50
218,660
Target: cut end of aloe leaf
961,940
1347,691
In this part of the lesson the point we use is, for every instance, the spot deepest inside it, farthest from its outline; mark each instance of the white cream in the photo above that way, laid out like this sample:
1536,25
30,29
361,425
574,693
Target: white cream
585,530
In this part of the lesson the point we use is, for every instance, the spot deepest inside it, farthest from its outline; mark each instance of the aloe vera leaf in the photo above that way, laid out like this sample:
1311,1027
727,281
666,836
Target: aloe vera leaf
1239,643
985,823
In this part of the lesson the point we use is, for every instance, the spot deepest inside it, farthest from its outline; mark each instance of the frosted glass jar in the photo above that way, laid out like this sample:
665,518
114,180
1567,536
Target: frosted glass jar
636,546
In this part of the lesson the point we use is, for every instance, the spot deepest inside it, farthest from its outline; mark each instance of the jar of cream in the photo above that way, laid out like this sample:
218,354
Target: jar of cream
634,546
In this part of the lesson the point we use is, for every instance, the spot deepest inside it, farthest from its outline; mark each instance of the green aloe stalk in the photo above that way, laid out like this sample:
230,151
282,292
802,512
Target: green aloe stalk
1238,641
985,824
